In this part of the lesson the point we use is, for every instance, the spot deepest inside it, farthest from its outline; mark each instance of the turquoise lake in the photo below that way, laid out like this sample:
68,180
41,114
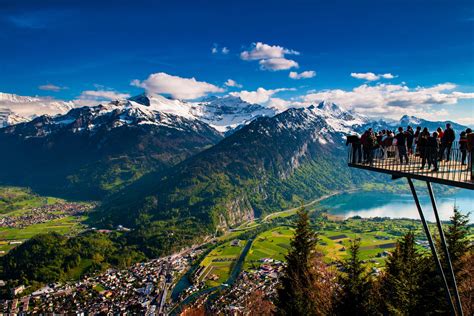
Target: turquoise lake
378,204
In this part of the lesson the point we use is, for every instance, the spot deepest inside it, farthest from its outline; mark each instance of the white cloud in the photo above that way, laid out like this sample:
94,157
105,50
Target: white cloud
51,87
391,100
270,57
258,96
302,75
469,121
260,50
103,95
279,104
232,83
275,64
370,76
177,87
216,50
94,97
387,76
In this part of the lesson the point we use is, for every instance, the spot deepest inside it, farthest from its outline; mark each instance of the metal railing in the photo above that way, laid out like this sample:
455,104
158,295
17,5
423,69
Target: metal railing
449,162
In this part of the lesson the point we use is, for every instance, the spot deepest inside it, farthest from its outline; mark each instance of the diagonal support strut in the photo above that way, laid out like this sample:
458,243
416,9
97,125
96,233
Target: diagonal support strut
445,249
432,246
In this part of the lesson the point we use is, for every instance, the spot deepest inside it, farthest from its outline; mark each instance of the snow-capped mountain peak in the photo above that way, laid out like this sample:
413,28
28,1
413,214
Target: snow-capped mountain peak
409,120
331,108
222,113
21,108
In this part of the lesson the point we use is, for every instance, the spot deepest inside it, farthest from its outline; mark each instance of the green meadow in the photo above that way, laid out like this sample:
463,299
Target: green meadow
220,262
15,201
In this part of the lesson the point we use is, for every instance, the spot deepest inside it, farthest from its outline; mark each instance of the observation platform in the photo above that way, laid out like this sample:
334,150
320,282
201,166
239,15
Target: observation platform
386,160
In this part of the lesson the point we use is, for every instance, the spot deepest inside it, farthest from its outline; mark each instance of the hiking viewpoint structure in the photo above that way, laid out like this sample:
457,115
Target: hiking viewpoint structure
452,172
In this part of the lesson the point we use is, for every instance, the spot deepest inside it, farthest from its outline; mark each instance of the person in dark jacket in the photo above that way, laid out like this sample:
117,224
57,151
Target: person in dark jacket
371,144
356,146
447,142
363,141
463,147
402,145
470,149
417,138
432,151
410,137
422,146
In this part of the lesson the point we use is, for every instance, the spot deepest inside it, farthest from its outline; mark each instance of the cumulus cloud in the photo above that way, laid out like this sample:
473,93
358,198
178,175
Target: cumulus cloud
391,100
51,87
271,57
260,50
258,96
370,76
177,87
302,75
225,50
232,83
387,76
275,64
280,104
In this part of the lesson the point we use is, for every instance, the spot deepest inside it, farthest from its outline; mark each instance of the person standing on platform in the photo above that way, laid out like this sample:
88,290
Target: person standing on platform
410,134
447,143
470,149
422,146
432,151
402,145
356,148
463,147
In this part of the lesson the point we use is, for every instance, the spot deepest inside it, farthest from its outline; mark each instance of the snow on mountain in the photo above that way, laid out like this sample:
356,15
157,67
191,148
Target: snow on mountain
7,117
409,120
15,108
223,114
229,112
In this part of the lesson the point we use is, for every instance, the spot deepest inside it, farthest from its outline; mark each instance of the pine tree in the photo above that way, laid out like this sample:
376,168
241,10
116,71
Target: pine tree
456,238
401,281
299,292
411,284
353,294
461,257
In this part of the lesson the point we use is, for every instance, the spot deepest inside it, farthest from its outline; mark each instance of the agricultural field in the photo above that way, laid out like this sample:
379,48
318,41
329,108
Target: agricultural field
15,200
271,244
9,237
24,214
377,237
217,265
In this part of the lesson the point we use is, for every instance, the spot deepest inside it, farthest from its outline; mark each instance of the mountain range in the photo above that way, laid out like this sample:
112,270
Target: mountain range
171,163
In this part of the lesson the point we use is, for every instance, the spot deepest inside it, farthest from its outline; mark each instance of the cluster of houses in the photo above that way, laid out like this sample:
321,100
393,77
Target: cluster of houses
144,288
44,214
264,278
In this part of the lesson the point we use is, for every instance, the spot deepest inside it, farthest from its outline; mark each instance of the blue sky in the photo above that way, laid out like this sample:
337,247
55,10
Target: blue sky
413,57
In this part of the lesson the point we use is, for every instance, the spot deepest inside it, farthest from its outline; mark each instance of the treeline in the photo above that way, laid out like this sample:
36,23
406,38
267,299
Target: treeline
409,284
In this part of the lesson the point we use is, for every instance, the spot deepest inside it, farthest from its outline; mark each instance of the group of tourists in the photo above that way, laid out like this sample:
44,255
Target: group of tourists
431,147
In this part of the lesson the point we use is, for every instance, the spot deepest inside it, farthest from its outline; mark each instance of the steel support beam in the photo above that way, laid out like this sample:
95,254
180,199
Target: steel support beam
432,246
445,249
